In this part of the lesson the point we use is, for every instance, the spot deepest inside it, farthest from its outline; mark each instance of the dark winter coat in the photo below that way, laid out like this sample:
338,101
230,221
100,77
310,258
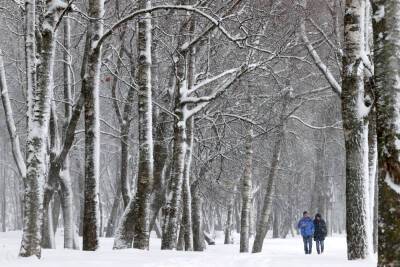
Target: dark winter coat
320,231
306,226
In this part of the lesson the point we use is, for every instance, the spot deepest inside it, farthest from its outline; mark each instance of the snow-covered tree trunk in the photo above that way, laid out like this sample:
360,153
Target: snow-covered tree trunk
145,172
169,237
246,194
372,170
39,87
354,112
90,89
124,235
174,193
387,72
186,198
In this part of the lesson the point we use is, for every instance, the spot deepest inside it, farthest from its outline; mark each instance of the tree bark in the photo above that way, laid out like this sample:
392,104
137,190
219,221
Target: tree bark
355,131
145,172
262,225
90,90
387,51
125,231
246,194
229,224
173,204
39,87
112,219
197,218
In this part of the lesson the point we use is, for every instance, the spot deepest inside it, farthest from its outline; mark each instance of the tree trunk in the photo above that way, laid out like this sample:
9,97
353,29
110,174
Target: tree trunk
246,195
179,151
145,172
229,224
262,225
66,193
355,131
125,231
90,89
275,225
112,220
386,37
197,218
39,87
187,199
4,203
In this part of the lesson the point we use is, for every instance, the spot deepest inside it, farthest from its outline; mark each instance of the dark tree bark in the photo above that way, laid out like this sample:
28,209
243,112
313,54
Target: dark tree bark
197,218
386,38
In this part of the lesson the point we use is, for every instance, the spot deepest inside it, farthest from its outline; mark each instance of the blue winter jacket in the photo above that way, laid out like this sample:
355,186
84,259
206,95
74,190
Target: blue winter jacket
306,226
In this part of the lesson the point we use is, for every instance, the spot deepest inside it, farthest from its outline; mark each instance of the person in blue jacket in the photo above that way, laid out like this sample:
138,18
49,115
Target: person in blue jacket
306,226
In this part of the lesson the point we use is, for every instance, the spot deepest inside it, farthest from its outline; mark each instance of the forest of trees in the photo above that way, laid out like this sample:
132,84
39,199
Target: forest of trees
188,117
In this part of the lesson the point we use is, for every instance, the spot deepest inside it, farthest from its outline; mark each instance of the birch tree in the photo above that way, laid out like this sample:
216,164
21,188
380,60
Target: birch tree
354,112
145,171
386,57
39,87
90,90
246,194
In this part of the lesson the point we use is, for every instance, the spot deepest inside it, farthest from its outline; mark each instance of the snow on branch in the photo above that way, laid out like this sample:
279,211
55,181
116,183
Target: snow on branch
210,80
391,184
202,102
55,6
324,69
188,8
334,126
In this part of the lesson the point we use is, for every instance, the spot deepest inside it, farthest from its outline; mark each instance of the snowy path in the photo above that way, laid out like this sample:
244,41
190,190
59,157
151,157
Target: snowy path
276,252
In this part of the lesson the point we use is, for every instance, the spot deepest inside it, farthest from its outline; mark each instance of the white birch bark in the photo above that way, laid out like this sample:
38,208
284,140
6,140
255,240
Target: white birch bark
246,194
90,90
39,77
355,130
145,171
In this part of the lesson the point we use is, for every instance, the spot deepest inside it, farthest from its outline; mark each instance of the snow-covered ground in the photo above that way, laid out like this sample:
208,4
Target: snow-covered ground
276,252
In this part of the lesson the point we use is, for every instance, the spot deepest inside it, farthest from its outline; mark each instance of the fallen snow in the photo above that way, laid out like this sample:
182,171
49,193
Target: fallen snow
276,252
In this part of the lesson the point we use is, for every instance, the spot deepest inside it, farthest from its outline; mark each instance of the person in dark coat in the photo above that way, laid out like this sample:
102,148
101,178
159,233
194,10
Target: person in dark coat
306,227
320,233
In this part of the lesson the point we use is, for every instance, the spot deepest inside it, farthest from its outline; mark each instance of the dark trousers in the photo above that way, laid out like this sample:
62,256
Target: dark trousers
320,246
307,240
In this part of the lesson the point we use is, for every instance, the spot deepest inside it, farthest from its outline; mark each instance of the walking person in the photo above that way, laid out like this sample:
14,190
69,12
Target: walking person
320,232
306,226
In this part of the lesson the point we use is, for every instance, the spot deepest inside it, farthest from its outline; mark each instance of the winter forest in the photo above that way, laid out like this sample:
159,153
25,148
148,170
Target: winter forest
196,132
